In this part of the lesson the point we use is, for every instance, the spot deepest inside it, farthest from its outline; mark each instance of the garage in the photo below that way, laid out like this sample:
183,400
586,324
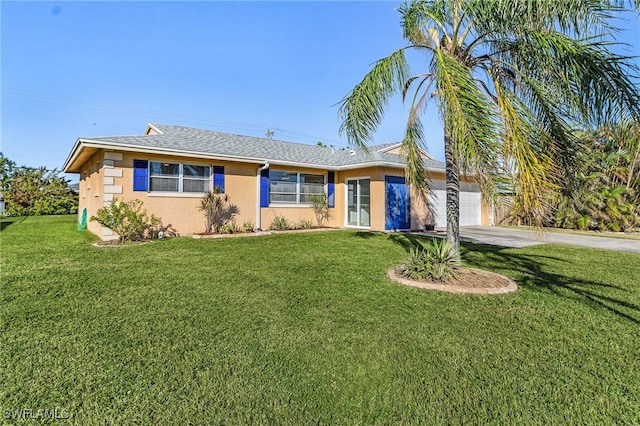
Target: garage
470,204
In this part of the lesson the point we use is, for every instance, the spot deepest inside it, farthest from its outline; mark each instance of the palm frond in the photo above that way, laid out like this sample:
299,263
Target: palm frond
420,16
412,148
590,83
468,115
363,108
426,77
578,17
525,149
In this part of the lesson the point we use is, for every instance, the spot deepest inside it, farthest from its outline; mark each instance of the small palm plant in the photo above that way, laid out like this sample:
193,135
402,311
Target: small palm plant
279,223
415,265
320,206
304,224
248,226
438,261
213,204
442,259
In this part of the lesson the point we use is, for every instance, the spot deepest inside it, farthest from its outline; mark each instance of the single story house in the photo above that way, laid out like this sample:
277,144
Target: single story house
169,168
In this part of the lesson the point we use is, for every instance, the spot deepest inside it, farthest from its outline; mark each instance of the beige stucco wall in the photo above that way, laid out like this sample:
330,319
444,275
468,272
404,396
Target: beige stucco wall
109,174
295,213
338,213
90,188
181,210
486,218
377,188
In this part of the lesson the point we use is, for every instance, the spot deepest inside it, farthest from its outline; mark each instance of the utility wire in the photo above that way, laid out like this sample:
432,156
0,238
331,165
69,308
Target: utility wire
236,126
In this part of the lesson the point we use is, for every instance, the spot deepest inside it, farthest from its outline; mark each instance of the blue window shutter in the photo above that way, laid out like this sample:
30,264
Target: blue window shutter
218,178
264,188
331,196
140,175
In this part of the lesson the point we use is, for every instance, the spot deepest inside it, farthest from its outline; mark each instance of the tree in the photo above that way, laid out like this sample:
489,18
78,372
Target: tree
35,191
7,168
510,79
604,192
617,151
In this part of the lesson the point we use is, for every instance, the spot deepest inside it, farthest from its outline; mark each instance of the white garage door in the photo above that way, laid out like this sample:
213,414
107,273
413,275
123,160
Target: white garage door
470,204
440,207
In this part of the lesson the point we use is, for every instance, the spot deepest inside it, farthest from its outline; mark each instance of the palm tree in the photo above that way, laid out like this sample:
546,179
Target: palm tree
510,79
618,146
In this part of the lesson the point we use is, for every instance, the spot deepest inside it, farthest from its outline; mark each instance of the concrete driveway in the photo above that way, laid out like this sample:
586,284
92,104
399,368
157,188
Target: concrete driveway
509,237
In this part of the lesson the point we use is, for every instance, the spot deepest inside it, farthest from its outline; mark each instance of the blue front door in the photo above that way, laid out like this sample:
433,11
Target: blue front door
398,209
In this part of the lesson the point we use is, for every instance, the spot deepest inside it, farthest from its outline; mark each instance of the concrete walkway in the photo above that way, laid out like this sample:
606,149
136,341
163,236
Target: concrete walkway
509,237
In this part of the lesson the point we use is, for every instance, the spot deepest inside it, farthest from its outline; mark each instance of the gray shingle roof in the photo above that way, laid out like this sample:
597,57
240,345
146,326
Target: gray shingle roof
226,145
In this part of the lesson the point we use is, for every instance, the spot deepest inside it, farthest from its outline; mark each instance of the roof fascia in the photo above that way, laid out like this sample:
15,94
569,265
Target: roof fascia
72,155
166,151
89,143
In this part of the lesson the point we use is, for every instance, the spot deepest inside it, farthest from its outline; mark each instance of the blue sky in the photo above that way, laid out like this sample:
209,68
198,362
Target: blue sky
83,69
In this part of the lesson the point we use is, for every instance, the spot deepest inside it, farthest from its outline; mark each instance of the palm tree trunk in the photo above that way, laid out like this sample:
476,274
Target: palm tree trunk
453,194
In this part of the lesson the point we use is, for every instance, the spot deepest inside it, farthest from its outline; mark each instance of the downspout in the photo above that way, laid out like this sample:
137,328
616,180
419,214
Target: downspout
258,208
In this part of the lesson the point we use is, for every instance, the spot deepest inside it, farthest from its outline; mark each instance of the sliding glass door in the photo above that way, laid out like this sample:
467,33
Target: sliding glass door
358,202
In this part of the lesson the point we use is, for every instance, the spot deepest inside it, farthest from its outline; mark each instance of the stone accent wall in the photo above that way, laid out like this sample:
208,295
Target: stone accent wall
111,175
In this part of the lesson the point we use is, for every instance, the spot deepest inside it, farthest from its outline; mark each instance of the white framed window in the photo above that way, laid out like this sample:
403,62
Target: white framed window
358,202
294,187
178,177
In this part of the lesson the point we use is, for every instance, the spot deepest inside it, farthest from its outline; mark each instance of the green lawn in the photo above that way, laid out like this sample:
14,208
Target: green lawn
305,328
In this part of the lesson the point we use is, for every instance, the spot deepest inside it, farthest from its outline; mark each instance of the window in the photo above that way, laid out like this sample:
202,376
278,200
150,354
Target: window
294,188
358,202
164,177
177,177
195,178
310,185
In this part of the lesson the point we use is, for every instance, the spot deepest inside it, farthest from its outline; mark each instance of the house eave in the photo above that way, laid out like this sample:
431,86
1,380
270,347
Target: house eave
72,165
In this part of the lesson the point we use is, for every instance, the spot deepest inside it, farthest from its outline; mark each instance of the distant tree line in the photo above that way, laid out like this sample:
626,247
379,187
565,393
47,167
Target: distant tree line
33,191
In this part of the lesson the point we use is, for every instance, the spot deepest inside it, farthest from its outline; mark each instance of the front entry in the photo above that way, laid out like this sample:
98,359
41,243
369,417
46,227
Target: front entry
397,204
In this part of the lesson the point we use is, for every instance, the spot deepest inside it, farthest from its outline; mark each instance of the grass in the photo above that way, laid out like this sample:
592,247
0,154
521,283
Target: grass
305,328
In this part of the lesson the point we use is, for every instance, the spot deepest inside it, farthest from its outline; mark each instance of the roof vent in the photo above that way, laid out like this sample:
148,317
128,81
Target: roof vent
352,152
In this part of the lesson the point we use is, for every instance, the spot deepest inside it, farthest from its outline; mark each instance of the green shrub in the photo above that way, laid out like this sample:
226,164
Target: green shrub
127,219
248,226
583,222
279,223
437,261
443,259
415,265
304,224
229,228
